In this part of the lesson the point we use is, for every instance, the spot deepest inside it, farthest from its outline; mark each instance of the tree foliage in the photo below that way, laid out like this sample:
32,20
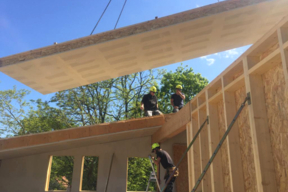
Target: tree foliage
192,84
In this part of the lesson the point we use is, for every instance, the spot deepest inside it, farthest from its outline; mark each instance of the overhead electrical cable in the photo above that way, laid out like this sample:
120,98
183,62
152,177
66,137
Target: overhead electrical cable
120,14
101,16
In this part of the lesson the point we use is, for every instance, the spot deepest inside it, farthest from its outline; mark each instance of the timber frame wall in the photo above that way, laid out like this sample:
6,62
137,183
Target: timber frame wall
254,157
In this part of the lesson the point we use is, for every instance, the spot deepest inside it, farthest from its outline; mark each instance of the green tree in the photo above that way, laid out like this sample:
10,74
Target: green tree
192,84
139,170
12,110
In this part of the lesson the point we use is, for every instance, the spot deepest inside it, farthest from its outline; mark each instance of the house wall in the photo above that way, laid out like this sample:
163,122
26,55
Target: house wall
253,157
28,173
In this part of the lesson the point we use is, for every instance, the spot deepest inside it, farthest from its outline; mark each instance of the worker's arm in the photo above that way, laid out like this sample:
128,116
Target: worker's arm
172,102
182,96
142,106
157,161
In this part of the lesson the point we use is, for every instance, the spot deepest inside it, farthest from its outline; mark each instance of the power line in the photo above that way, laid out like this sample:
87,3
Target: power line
120,14
101,16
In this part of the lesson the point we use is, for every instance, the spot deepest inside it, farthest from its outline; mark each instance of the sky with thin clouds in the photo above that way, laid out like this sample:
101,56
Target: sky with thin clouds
27,25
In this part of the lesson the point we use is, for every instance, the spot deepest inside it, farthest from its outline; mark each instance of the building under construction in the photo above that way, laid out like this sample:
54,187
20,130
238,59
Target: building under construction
253,157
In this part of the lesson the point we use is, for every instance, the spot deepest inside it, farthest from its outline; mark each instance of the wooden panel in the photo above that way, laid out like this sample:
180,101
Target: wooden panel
206,182
194,33
224,149
276,97
80,132
265,172
182,180
213,138
173,126
249,172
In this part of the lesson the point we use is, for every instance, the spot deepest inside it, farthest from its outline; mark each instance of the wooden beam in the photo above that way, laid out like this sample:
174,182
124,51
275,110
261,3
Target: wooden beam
196,152
233,144
80,132
77,177
189,155
213,140
261,144
206,182
175,125
282,32
47,181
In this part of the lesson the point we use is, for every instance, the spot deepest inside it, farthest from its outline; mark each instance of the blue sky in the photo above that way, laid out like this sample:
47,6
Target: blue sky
30,24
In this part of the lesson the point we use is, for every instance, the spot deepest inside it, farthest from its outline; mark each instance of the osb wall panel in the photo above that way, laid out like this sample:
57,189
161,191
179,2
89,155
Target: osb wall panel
182,179
276,95
246,143
224,149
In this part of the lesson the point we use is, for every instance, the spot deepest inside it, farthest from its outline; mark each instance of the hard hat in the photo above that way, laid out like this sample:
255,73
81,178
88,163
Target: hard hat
155,145
179,87
153,89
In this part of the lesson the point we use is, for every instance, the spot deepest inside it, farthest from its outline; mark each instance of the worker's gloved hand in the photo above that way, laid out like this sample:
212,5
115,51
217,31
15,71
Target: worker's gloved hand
153,158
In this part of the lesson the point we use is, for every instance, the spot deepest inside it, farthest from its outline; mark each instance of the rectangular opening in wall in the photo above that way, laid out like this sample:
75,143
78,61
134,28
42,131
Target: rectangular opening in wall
61,173
90,173
139,170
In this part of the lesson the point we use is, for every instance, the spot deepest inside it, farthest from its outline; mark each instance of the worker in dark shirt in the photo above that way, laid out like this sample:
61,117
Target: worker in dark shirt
177,99
149,103
167,163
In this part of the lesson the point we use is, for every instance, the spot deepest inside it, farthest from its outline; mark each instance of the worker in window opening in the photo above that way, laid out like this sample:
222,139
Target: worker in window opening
177,99
167,163
149,103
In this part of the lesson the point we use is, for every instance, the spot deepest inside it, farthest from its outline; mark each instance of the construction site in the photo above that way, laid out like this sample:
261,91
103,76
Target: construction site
235,131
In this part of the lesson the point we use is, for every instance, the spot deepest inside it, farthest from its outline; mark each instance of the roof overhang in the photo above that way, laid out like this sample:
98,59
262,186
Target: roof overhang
152,44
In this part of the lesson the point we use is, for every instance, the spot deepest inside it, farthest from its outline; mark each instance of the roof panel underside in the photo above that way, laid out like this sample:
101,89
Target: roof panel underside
144,46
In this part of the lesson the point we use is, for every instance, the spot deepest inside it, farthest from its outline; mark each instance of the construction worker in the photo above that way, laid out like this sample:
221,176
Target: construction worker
167,163
149,103
177,99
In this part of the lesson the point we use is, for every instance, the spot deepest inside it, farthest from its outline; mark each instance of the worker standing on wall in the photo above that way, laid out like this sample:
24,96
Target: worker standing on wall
149,103
167,163
177,99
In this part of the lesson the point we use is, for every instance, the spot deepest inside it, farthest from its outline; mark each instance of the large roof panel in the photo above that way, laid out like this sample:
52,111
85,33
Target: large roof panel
143,46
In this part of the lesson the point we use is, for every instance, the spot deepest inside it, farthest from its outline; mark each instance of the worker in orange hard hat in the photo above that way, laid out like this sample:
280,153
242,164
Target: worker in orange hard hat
167,163
149,103
177,99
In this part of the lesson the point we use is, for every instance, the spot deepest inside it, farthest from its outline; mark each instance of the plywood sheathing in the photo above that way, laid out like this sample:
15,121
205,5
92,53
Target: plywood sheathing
144,46
130,30
276,96
182,179
246,143
223,150
80,133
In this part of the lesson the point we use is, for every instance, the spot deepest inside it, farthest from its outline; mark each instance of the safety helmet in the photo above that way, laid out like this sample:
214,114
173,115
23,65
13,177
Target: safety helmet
155,145
179,87
153,89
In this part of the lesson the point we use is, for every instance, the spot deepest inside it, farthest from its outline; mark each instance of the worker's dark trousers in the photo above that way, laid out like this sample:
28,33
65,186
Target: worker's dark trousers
169,187
150,113
176,110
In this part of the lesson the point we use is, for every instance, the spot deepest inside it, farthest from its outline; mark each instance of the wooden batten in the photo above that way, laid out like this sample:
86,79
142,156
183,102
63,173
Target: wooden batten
213,140
283,43
204,148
